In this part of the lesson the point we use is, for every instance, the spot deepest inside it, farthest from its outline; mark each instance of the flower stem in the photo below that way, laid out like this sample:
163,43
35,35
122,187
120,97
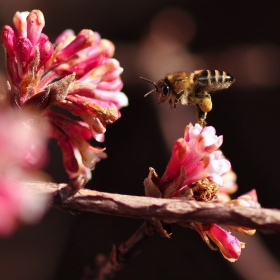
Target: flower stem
108,266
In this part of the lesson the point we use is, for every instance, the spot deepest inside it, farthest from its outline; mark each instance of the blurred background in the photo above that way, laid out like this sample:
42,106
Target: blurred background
155,38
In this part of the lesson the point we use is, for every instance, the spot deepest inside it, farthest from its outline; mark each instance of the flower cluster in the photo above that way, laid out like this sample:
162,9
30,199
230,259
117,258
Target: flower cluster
22,153
198,170
195,168
76,73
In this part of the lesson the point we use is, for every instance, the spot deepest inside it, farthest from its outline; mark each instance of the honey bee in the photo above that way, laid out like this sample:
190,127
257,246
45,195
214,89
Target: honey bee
191,89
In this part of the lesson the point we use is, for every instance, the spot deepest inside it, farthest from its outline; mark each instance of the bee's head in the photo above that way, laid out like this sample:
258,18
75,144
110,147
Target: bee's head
163,91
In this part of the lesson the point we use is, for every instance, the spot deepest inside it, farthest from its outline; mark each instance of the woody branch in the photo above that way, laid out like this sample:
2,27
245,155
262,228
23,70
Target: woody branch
175,210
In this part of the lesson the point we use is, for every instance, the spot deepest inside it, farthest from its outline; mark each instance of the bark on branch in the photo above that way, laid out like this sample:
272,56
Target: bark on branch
174,210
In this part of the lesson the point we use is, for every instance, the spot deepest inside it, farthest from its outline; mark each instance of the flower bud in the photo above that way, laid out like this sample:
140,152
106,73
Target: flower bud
46,51
23,51
35,25
228,244
8,39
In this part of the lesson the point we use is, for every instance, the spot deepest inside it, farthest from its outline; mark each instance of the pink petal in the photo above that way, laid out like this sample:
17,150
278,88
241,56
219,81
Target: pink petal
179,153
229,179
69,159
20,23
66,33
84,39
46,51
95,75
35,25
8,40
115,85
108,47
90,155
118,98
24,52
229,245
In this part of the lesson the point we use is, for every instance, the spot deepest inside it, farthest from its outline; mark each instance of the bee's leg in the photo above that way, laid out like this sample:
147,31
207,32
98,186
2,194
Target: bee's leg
200,116
171,103
176,101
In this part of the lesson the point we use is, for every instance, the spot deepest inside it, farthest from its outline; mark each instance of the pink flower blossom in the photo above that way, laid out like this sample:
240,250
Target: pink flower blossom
229,186
198,170
194,157
76,73
228,244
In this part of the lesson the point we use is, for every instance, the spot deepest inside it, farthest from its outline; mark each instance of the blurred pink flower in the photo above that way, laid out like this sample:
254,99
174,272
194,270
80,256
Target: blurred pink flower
18,205
76,73
249,199
229,186
22,153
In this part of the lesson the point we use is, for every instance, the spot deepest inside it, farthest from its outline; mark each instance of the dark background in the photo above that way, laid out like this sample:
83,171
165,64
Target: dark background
241,38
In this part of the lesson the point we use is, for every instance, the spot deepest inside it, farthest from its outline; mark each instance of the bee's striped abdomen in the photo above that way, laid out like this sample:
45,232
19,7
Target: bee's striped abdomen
212,79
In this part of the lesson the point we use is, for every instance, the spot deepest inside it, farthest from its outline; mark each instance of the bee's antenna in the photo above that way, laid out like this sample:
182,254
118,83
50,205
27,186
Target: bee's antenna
149,92
156,88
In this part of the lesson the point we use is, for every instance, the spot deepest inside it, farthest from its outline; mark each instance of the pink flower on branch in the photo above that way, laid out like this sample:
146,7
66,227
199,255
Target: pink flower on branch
198,170
229,245
194,159
76,73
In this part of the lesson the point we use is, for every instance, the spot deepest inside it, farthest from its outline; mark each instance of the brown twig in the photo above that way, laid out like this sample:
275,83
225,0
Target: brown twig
108,266
173,210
